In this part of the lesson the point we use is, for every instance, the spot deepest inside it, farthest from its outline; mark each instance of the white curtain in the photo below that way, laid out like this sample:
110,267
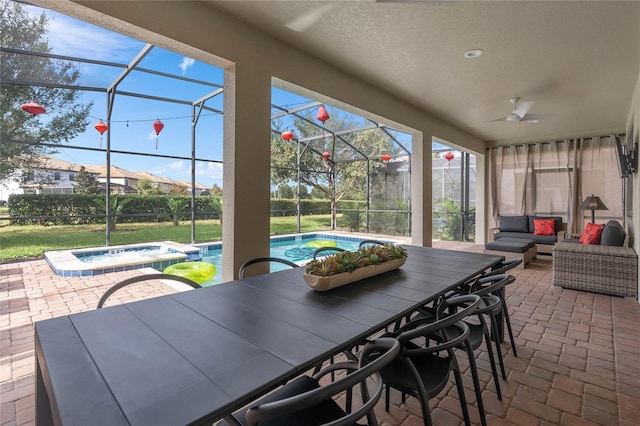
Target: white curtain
553,178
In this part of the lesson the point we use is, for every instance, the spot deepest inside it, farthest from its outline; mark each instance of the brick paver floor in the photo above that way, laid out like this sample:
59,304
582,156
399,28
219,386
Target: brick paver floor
578,353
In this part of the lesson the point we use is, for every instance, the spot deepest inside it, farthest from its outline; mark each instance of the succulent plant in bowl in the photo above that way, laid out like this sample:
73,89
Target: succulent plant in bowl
349,261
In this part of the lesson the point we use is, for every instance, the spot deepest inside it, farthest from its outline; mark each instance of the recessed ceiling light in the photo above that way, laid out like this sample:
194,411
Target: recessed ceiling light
473,53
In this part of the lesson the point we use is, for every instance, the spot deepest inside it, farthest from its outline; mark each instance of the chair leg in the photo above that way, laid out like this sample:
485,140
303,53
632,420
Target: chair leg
498,348
463,399
492,360
387,398
509,329
476,382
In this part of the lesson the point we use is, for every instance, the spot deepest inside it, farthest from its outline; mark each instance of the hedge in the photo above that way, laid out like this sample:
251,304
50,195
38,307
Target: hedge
69,209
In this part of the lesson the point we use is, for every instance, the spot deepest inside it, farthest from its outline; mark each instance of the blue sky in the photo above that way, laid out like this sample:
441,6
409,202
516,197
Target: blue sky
132,119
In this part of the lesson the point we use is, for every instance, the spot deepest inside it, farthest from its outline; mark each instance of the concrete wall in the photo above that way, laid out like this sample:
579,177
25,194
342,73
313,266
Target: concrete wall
253,62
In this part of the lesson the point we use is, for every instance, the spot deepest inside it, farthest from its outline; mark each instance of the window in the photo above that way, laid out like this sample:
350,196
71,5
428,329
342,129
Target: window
72,177
56,176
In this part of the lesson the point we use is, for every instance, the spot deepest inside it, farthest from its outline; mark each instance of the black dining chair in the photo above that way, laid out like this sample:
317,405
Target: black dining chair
326,249
502,268
309,400
427,358
370,243
141,278
250,262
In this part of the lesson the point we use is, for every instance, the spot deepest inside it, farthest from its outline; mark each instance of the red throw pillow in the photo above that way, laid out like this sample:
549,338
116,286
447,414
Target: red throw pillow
591,233
544,227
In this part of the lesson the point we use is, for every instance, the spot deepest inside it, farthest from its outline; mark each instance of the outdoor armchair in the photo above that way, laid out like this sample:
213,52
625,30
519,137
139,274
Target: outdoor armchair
146,277
250,262
423,367
308,401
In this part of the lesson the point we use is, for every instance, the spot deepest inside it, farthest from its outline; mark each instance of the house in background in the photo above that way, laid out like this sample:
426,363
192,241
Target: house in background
161,183
198,189
122,181
48,175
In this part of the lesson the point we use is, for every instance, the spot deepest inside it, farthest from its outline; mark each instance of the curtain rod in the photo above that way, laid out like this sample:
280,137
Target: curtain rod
557,141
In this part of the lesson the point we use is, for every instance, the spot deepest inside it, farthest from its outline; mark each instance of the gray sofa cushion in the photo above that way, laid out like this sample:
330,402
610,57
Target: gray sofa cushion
556,219
538,239
613,234
514,224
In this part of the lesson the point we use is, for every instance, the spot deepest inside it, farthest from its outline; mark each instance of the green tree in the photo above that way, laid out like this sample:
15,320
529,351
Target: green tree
177,205
25,78
346,167
115,207
179,190
145,186
216,190
85,183
285,191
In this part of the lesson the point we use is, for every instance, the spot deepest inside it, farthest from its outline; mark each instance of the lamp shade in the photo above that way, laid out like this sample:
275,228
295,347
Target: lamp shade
593,203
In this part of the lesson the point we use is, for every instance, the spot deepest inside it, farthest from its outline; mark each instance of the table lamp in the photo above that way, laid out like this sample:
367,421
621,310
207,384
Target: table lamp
593,203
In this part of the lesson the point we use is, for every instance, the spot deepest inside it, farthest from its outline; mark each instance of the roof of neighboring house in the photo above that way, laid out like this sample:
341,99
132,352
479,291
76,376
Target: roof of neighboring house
154,178
52,163
188,184
116,172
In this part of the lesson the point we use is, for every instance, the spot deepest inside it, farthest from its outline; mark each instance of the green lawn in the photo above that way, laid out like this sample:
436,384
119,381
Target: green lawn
17,242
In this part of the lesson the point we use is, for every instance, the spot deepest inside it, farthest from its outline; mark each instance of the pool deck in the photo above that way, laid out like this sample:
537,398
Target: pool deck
577,364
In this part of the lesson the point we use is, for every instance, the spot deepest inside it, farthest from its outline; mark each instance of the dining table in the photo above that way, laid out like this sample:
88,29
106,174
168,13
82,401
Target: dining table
196,356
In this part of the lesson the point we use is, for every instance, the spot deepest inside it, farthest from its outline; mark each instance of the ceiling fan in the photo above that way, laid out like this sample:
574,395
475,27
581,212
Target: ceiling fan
305,20
520,112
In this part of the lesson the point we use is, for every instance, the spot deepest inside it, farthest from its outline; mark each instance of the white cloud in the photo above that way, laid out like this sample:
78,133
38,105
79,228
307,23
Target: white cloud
210,170
186,63
71,37
174,167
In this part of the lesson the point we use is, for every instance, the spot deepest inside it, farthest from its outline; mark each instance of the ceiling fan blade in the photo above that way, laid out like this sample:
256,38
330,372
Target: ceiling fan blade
536,117
304,21
522,108
490,121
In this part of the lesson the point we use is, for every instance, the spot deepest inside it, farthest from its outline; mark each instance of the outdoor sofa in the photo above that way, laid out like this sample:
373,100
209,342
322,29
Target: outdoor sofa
522,227
610,267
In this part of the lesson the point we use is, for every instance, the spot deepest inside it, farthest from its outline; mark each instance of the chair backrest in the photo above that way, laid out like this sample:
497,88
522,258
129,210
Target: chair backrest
384,350
491,284
141,278
502,267
370,242
250,262
324,249
449,313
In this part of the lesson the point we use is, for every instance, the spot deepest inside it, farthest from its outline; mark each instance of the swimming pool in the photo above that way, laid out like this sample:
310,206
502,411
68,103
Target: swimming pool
292,247
298,248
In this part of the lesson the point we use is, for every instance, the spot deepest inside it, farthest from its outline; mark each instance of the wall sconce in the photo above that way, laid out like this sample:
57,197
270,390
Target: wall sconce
593,203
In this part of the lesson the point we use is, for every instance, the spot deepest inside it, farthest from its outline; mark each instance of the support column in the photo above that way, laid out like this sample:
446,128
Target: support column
421,191
246,172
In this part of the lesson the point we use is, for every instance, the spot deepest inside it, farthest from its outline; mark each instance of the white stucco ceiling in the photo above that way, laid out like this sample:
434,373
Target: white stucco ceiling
578,61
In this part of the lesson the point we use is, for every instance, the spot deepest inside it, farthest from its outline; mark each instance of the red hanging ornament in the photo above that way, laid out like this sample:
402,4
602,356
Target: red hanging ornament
158,126
322,116
287,135
385,157
101,128
326,155
33,108
449,156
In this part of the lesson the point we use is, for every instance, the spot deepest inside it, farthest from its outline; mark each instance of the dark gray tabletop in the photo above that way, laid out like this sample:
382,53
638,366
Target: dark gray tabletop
192,357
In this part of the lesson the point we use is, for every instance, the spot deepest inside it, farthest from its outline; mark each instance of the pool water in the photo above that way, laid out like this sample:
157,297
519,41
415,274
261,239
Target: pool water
293,248
108,256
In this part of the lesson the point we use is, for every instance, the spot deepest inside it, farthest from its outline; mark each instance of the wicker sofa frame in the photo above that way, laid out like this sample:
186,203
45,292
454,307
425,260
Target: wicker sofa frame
609,270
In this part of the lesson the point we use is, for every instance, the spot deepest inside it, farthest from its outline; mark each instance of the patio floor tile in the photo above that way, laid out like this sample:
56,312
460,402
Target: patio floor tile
577,358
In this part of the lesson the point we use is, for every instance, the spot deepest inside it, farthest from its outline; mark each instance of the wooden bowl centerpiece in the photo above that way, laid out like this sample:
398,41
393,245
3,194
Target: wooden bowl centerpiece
346,267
